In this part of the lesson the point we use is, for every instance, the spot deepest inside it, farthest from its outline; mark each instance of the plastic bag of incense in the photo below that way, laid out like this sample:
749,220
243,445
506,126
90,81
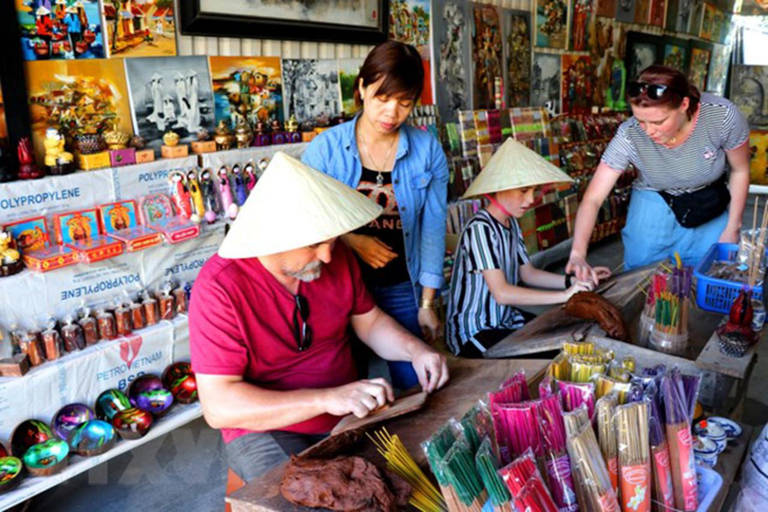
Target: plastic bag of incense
512,390
546,386
593,485
606,435
573,348
583,370
575,420
560,367
520,427
518,472
605,385
577,394
663,492
458,468
435,448
557,463
478,423
631,423
534,497
487,465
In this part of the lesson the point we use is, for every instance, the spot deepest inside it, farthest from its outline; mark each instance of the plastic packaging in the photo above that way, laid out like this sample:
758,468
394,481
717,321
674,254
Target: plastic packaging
631,423
106,325
90,329
679,398
151,310
478,424
123,322
72,335
137,316
31,347
590,474
487,464
557,463
606,434
674,344
180,296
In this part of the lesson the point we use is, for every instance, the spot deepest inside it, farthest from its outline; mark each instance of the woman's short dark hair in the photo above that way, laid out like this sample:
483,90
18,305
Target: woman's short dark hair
400,66
678,87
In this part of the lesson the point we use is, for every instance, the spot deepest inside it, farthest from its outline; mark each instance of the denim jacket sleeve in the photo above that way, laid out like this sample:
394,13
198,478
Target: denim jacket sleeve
433,220
314,155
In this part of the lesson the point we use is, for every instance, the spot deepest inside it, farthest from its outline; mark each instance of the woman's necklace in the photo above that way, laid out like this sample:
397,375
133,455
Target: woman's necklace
380,168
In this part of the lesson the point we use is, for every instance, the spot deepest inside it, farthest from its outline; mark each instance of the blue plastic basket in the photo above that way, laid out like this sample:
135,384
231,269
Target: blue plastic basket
714,294
709,484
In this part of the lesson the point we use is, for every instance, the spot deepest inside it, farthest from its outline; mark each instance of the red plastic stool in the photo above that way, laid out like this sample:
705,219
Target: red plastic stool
234,482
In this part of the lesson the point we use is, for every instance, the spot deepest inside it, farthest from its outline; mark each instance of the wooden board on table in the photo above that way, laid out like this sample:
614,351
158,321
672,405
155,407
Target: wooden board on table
713,360
470,380
728,464
398,408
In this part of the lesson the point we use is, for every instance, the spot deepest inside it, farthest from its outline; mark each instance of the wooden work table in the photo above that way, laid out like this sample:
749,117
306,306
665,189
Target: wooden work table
470,380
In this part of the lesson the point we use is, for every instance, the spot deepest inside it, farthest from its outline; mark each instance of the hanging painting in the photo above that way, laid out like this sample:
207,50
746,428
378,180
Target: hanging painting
606,8
642,12
707,22
452,37
247,87
679,15
551,20
625,11
754,8
80,97
758,164
583,20
348,71
545,82
698,8
487,55
642,51
60,29
676,54
139,29
699,67
409,22
311,90
604,51
718,69
170,94
658,12
749,91
576,84
517,26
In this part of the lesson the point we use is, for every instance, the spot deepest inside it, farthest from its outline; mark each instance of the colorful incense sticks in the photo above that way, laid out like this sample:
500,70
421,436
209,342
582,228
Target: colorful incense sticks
631,423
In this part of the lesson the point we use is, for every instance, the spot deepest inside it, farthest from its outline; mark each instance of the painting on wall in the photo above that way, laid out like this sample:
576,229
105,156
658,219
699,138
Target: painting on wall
719,65
697,71
60,29
758,162
642,12
576,84
551,20
583,19
625,11
606,8
311,89
409,22
676,54
139,29
247,87
170,93
451,28
749,88
642,51
517,26
754,8
658,12
545,81
348,71
607,47
679,15
707,22
487,55
82,96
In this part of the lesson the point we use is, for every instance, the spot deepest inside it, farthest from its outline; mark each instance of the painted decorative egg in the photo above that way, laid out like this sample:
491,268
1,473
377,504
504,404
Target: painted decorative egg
70,416
27,434
93,437
156,401
11,473
111,402
141,384
179,379
47,458
132,423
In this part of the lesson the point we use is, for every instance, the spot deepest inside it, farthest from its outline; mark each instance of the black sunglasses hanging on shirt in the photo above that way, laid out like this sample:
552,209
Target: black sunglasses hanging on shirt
302,332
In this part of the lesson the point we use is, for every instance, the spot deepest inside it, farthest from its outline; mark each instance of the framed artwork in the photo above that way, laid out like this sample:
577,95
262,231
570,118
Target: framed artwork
409,22
642,12
134,29
697,15
487,56
606,8
676,53
707,22
758,162
603,54
346,21
311,89
170,93
642,51
61,29
658,12
679,14
749,89
576,84
348,71
583,19
545,81
80,96
753,8
451,23
701,53
719,66
625,11
517,26
551,21
247,87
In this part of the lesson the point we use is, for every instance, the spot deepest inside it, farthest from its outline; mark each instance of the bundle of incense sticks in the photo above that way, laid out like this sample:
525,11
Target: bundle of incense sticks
574,348
584,368
516,473
679,397
560,367
575,420
556,460
436,448
547,386
487,465
634,456
477,423
757,252
669,295
577,394
534,497
424,496
593,485
606,433
520,427
663,492
511,391
605,385
458,468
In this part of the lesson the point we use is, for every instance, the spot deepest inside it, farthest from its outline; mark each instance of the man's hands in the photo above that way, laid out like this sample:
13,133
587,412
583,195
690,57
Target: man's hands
430,368
359,398
430,324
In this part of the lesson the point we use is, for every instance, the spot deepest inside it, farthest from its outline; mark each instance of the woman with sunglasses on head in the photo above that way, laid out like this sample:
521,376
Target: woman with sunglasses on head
681,142
404,170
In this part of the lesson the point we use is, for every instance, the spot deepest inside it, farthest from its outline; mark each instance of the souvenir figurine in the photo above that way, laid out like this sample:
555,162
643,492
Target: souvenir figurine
262,137
223,136
243,134
138,142
89,143
10,259
203,135
203,144
196,193
292,127
180,195
230,207
171,139
209,196
250,176
238,183
171,147
278,136
115,139
57,159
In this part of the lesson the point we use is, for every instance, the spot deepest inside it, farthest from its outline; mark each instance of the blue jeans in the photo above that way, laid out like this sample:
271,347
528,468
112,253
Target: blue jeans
399,302
253,454
652,233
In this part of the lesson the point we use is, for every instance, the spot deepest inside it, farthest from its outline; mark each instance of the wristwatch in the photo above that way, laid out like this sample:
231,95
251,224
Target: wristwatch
568,280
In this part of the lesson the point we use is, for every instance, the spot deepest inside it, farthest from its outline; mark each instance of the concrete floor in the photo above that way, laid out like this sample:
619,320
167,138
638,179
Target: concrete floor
185,470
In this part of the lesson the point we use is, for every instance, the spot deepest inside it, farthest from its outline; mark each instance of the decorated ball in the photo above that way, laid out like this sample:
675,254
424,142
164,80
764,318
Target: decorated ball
111,402
142,384
156,401
11,473
47,458
93,437
132,423
27,434
70,416
179,379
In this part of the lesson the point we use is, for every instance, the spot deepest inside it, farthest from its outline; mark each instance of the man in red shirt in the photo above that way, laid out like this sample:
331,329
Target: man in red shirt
269,317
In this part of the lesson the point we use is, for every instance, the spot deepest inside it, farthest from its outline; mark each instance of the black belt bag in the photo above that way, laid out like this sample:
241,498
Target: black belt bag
692,209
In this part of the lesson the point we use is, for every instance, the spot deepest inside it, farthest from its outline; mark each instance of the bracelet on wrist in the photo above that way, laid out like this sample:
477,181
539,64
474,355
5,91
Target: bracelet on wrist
429,303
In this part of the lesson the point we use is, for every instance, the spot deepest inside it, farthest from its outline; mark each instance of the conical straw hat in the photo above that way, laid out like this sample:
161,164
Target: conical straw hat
293,206
515,166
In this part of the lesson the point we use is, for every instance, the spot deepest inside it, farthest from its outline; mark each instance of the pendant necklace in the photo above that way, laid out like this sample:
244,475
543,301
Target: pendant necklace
379,177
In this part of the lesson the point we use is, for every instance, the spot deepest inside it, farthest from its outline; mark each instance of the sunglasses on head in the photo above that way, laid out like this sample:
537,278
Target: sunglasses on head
653,91
302,332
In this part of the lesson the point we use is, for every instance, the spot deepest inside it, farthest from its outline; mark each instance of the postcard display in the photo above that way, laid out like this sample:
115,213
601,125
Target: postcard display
101,208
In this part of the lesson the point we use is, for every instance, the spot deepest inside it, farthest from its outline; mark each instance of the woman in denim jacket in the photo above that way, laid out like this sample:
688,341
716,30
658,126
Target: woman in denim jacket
405,171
